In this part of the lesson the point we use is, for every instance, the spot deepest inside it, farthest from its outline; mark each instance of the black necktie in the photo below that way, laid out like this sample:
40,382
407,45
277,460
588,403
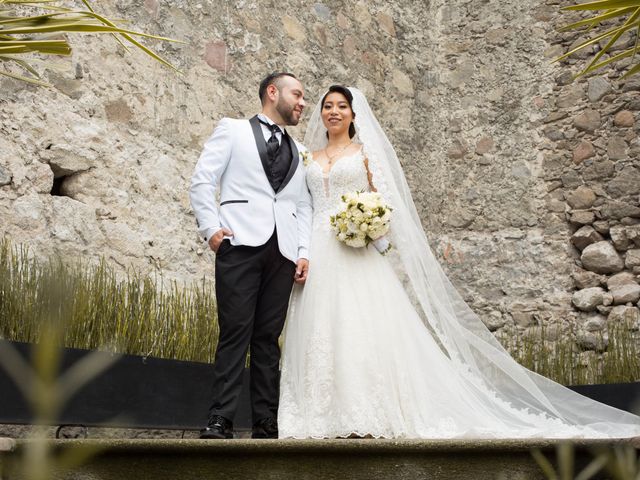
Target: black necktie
272,143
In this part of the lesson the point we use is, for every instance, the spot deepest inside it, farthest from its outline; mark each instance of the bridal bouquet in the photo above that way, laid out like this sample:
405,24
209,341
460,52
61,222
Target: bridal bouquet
363,219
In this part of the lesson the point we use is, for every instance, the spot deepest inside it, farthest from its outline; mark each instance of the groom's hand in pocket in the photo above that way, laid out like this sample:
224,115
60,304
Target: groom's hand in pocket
302,269
217,238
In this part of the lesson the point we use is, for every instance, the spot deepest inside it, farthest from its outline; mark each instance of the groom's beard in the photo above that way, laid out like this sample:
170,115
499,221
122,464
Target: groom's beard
287,112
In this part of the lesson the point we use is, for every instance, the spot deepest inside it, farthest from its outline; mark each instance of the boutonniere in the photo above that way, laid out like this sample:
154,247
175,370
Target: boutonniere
305,157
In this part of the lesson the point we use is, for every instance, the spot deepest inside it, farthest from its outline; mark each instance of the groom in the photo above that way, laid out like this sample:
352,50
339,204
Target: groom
260,232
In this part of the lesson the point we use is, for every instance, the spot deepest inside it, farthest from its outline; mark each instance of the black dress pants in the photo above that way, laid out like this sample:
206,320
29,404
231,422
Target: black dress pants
253,285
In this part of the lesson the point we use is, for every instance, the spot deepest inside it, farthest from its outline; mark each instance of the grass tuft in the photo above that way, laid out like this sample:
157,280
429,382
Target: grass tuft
565,362
95,309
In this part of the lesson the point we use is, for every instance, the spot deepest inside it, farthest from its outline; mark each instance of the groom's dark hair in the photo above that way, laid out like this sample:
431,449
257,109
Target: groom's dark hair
272,79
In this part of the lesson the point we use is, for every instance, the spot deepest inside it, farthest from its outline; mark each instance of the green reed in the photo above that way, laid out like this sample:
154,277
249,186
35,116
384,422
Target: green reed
563,361
95,308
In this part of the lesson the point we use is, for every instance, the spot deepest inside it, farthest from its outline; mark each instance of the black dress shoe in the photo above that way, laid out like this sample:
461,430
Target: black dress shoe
265,428
217,428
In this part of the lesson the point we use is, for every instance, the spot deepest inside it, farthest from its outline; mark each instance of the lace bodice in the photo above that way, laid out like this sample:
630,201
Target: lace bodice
348,174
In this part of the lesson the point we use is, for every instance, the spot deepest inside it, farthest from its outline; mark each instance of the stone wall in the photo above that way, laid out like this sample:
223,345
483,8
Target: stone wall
592,174
505,156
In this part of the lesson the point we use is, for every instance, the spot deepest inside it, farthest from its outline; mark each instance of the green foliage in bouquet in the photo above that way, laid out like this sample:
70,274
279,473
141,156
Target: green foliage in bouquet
38,26
610,20
95,309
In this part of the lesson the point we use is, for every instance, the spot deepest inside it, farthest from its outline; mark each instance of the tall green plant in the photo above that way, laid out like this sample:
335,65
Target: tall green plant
135,314
621,462
611,19
41,31
562,362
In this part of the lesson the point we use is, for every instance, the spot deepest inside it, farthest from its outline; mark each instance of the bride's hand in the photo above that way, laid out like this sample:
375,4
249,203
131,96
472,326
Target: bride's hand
302,269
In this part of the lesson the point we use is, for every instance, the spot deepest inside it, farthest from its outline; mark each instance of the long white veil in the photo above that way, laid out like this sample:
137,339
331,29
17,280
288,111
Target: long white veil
460,332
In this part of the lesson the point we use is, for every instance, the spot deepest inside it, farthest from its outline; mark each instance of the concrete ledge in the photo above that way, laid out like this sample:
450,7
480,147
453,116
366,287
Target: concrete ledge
356,459
339,446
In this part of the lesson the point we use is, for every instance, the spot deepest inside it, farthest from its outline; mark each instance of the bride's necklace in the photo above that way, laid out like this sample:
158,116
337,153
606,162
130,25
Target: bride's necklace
335,155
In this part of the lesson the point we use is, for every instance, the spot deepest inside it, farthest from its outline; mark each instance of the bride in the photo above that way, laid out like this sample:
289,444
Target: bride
384,346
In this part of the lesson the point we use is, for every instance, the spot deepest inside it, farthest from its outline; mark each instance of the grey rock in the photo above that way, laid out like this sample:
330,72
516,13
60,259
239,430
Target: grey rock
5,176
622,294
553,133
581,198
570,96
599,170
619,237
555,116
67,160
633,233
616,210
588,299
583,53
632,258
601,257
571,179
616,148
623,315
601,226
553,185
598,87
555,205
594,323
461,218
565,78
622,278
585,236
604,310
523,318
597,341
28,212
626,182
631,84
586,279
587,121
582,217
494,321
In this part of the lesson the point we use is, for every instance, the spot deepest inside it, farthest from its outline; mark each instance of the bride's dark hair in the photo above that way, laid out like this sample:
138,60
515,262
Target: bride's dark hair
347,94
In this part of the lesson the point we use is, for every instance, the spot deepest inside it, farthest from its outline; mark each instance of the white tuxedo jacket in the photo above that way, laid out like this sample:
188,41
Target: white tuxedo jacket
234,160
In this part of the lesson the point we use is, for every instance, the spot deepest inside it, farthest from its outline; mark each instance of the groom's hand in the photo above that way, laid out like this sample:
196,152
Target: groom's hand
217,238
302,269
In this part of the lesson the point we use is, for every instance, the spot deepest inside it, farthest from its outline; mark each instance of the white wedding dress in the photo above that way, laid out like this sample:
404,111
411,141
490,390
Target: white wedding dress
385,345
357,359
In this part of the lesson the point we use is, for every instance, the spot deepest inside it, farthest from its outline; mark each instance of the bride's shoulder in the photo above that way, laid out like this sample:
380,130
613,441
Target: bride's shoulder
354,148
316,154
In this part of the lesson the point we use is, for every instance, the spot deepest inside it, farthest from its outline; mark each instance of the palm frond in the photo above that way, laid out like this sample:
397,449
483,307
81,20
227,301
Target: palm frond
626,13
23,34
